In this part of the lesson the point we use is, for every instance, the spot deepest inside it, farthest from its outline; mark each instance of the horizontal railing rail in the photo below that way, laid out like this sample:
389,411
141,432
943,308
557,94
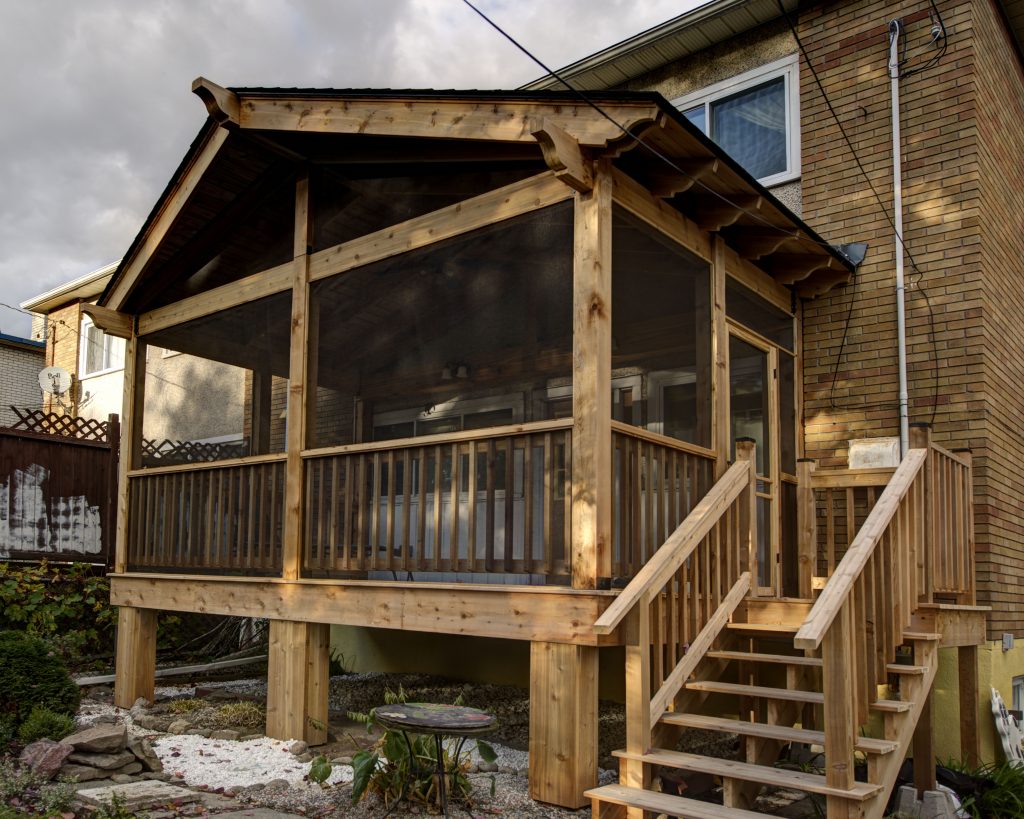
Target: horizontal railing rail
488,501
212,517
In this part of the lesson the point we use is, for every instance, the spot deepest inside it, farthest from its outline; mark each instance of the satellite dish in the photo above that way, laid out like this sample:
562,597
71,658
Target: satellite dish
54,380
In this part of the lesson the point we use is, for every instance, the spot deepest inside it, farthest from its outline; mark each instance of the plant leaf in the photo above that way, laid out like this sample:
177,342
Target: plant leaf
320,769
486,752
363,765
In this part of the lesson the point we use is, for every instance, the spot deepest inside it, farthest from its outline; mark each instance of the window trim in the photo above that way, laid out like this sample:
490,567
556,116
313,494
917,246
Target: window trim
789,69
83,352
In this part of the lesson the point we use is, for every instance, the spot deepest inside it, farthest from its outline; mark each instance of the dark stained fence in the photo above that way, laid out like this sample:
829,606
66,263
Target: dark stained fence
58,487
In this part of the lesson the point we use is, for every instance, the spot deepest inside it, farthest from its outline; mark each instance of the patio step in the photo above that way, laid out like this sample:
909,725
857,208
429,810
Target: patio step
668,804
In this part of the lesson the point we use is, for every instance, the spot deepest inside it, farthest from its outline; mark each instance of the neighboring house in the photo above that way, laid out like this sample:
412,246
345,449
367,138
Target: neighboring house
21,359
95,361
736,70
526,355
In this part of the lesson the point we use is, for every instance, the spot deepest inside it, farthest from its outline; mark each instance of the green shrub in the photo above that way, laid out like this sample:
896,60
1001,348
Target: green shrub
42,723
31,674
1002,797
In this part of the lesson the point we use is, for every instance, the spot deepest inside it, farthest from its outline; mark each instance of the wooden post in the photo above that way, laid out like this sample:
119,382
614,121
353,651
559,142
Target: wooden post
298,388
113,487
592,384
806,524
920,438
840,731
131,440
563,723
924,747
633,773
971,596
720,365
135,674
297,679
967,673
746,450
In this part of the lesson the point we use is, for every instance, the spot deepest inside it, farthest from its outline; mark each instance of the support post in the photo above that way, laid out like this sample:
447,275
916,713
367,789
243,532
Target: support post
297,680
806,524
298,387
563,723
746,450
135,674
967,672
924,746
720,366
592,384
840,731
131,440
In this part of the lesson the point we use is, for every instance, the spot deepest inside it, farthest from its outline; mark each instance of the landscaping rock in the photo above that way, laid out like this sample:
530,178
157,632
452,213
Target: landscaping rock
143,751
138,795
341,760
179,726
82,773
487,767
142,703
123,779
306,757
100,692
45,757
107,762
245,737
298,748
277,784
225,733
130,769
158,776
101,739
199,732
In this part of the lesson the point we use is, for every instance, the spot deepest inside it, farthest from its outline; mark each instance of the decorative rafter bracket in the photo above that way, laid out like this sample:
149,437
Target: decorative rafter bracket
222,104
563,155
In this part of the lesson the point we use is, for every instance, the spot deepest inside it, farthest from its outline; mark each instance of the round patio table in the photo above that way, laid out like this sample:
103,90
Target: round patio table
439,721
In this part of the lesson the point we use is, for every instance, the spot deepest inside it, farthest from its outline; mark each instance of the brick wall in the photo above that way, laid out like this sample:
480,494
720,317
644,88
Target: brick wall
62,346
999,82
961,140
19,370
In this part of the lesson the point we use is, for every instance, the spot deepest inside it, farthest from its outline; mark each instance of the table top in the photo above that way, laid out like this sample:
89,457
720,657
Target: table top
435,718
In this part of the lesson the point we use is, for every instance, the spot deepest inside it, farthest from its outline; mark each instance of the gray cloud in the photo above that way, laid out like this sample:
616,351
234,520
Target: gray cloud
95,109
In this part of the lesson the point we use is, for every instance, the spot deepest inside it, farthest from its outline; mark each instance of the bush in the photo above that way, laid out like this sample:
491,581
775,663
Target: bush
30,675
42,723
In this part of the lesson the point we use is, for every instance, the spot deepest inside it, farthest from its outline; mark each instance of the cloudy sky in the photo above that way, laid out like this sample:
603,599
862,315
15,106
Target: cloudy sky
97,110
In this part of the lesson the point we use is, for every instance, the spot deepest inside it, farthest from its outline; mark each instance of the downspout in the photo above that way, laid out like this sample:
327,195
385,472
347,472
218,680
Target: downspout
895,30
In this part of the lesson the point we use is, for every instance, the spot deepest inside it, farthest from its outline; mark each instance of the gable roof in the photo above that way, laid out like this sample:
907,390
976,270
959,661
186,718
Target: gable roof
254,133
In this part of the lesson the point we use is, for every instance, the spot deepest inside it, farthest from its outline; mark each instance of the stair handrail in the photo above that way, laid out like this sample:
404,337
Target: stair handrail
678,547
840,584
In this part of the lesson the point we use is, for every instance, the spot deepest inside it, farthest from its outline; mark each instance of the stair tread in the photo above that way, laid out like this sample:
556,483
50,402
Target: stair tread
668,804
921,635
781,659
783,733
899,668
768,628
892,706
813,697
762,774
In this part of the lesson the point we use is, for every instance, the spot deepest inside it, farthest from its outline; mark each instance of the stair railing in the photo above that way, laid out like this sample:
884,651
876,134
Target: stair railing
681,599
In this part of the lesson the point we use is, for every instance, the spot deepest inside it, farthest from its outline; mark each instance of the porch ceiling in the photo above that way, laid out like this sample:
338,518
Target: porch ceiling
226,212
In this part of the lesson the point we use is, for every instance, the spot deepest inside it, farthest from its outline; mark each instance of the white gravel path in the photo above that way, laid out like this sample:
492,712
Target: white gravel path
225,763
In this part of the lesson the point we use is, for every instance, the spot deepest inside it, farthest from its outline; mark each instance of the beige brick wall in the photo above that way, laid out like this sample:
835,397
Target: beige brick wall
62,348
19,369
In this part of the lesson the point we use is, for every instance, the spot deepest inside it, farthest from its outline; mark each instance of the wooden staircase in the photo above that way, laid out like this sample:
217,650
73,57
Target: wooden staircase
704,653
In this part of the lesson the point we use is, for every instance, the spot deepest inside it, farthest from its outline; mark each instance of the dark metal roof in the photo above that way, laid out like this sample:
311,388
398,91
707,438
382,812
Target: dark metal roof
18,341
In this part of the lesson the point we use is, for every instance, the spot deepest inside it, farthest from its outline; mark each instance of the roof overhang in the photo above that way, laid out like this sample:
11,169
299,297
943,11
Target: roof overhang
689,33
672,159
84,288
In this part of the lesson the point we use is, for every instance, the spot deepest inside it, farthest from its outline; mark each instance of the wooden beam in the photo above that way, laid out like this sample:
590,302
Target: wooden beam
754,278
131,440
135,665
592,376
713,213
924,748
298,386
635,198
109,321
494,206
563,723
755,242
820,284
967,675
666,184
722,432
221,104
297,677
477,119
789,268
807,537
169,210
563,156
542,613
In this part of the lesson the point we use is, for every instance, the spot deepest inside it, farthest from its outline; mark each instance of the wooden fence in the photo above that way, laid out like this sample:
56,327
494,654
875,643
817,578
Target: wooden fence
58,487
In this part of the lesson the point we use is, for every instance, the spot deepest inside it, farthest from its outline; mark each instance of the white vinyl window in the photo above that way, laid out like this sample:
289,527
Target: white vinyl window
755,117
1018,693
100,353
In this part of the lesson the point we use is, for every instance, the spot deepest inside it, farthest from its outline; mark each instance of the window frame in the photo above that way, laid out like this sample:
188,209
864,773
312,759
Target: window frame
108,341
789,69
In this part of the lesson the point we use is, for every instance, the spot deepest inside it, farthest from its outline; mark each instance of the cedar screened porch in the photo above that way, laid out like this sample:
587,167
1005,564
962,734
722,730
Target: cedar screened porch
477,356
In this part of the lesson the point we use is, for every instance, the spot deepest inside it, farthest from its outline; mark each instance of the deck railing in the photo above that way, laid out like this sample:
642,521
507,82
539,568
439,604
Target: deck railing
681,600
487,501
916,543
658,482
223,517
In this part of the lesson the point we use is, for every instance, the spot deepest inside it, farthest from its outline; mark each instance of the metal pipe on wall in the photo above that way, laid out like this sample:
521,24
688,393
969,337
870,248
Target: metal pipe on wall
895,30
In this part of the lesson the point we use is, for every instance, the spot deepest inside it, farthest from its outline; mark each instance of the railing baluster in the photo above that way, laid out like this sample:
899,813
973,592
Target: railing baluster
455,494
374,498
406,507
509,542
528,505
389,536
